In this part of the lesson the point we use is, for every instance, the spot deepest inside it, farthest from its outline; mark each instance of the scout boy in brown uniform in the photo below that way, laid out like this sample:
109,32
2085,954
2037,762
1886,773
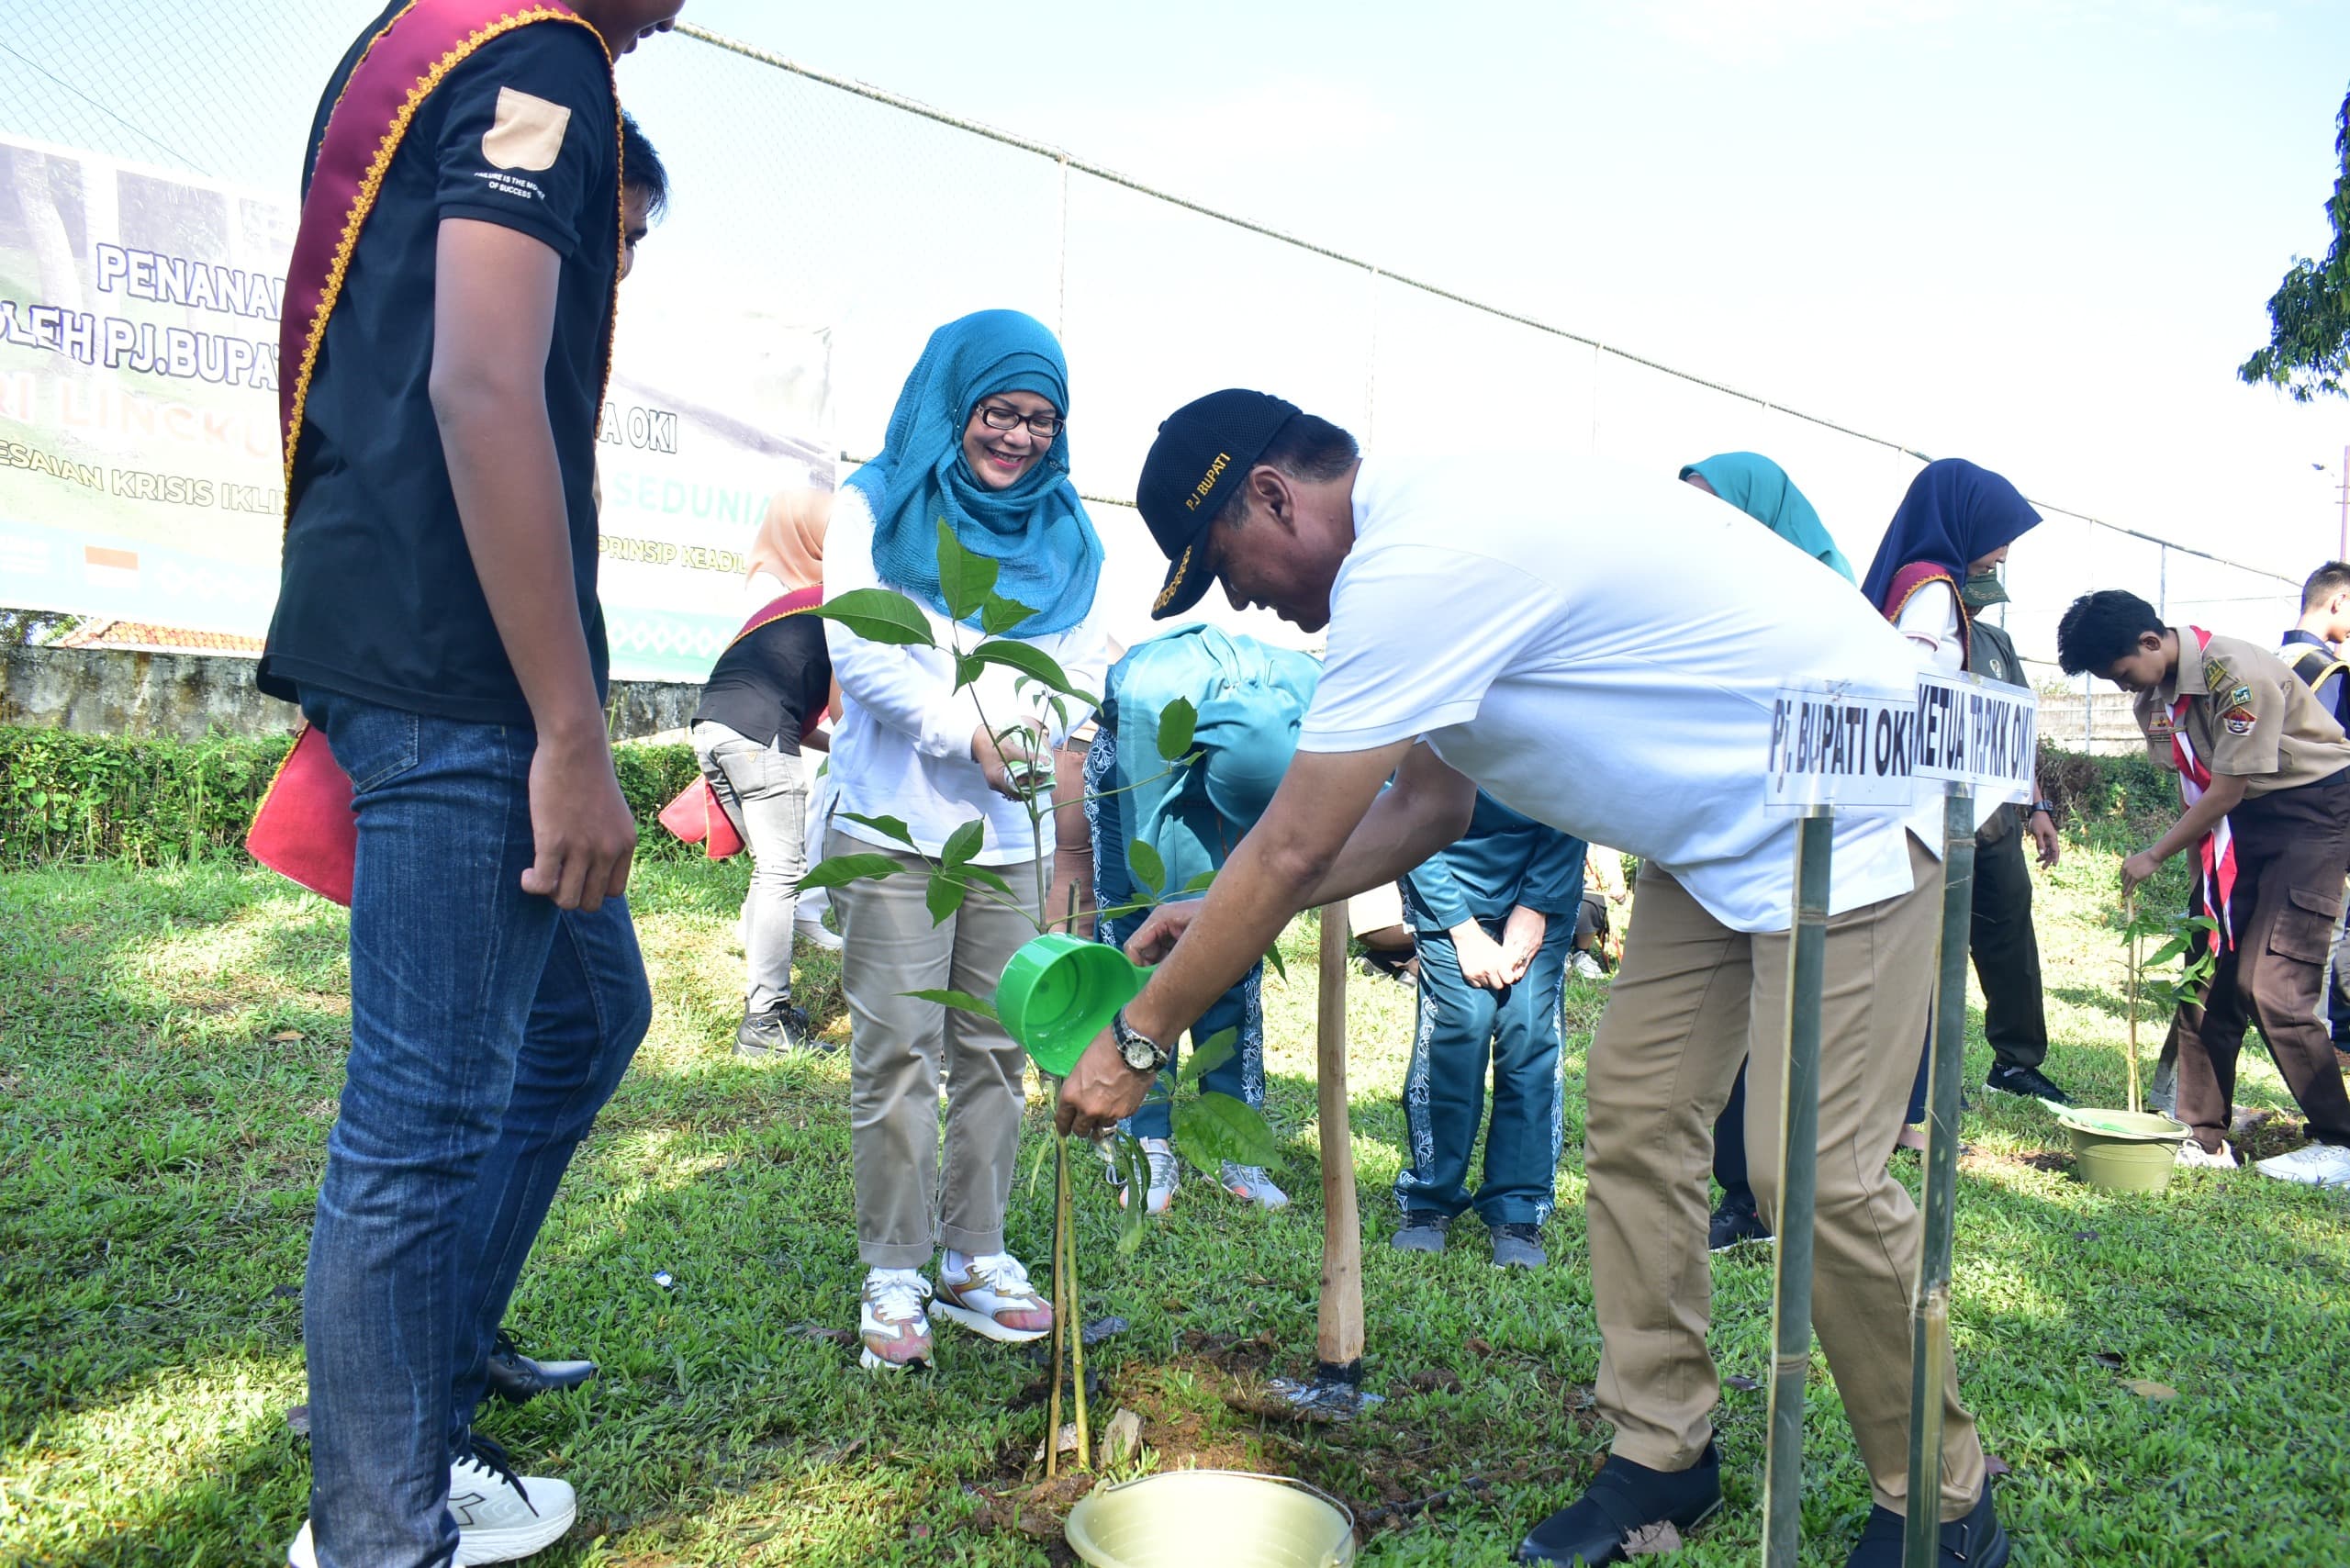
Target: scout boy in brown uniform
2266,772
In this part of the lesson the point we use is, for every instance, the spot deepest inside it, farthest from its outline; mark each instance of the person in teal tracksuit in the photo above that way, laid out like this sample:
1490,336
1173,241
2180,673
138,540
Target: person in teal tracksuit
1494,920
1249,699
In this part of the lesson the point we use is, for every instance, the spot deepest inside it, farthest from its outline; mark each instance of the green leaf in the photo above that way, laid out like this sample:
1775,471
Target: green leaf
1148,868
967,669
1216,1127
1200,883
999,614
1036,1164
880,615
1134,1165
2165,953
839,870
964,578
1274,956
943,896
1176,722
890,827
1206,1059
962,1000
982,874
1032,660
962,843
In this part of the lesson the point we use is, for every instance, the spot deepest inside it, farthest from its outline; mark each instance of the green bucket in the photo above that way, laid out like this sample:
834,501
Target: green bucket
1058,992
2124,1151
1181,1519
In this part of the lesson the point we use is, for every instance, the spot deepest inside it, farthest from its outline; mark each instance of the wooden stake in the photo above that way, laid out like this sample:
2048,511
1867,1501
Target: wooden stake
2130,920
1060,1303
1338,1338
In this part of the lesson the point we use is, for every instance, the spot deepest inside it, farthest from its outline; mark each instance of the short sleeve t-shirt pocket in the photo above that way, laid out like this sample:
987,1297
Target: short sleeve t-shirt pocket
526,135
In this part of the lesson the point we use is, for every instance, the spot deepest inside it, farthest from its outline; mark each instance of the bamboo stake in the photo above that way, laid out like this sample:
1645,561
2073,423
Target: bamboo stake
2130,920
1075,1330
1061,1310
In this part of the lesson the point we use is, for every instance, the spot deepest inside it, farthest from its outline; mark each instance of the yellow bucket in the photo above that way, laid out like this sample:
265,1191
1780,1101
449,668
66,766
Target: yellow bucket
1181,1519
2124,1151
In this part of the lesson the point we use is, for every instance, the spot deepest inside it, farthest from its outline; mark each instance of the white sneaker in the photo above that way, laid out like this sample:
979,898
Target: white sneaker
2191,1155
1583,966
813,932
891,1322
2314,1165
993,1298
1251,1182
501,1516
1164,1175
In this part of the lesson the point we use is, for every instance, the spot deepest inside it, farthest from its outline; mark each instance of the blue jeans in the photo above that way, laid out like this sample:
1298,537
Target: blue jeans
1462,1028
487,1028
1241,1009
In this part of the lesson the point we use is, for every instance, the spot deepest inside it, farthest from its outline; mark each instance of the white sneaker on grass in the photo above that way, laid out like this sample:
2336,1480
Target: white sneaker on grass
1583,966
990,1295
501,1516
2315,1165
1164,1173
1251,1182
2193,1155
815,934
891,1323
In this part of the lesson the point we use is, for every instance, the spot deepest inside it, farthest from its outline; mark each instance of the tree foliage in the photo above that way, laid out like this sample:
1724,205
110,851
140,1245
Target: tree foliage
2309,316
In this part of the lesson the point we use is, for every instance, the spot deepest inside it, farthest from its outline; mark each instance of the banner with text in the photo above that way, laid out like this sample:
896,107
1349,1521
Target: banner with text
1860,751
140,473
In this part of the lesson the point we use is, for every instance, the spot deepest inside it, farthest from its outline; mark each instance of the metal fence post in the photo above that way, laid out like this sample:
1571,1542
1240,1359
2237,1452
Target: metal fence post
1799,1156
1930,1307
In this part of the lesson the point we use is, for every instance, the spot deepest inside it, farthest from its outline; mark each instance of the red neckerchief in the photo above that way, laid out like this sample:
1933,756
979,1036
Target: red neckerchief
2215,882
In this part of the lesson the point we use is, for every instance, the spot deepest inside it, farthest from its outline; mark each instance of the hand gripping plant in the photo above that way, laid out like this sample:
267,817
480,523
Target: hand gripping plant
1208,1126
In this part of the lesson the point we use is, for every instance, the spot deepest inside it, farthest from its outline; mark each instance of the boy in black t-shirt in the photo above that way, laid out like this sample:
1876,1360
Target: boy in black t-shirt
437,620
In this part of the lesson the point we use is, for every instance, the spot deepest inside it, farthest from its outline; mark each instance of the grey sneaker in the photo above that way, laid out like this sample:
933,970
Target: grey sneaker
779,1031
1251,1182
1518,1247
1422,1232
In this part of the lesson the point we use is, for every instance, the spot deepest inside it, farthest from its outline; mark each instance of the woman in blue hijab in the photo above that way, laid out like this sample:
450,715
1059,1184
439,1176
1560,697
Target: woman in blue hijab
1956,521
1761,489
979,440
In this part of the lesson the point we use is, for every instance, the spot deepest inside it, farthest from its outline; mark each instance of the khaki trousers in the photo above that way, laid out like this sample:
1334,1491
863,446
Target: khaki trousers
1691,998
902,1050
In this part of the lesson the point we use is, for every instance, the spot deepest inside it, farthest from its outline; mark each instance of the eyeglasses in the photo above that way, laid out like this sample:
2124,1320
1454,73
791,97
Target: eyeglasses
1002,416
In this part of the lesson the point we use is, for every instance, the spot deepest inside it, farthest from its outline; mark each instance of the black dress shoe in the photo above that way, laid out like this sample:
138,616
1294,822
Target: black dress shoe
1625,1497
779,1031
1975,1541
516,1378
2028,1082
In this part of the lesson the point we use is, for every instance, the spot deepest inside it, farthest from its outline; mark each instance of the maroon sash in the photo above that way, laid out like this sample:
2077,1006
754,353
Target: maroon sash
305,827
1915,576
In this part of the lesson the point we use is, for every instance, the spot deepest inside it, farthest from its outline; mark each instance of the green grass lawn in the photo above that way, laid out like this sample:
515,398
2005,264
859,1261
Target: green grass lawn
171,1046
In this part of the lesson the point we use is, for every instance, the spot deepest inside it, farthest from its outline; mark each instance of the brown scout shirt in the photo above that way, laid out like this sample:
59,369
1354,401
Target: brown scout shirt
2247,716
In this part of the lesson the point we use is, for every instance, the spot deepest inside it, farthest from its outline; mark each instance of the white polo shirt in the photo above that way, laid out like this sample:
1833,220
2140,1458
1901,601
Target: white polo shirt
1599,648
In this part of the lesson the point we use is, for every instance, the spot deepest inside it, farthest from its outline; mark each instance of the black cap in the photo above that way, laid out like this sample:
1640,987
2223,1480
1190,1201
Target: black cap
1203,448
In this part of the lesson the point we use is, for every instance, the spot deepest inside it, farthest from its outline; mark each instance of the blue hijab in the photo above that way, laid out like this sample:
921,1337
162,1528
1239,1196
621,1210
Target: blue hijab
1761,489
1036,529
1956,512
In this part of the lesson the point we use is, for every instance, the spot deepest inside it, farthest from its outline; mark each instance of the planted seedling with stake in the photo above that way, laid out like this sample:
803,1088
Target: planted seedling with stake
1209,1127
2187,936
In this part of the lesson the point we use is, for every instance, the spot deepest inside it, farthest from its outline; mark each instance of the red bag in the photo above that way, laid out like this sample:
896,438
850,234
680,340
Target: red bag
695,817
305,829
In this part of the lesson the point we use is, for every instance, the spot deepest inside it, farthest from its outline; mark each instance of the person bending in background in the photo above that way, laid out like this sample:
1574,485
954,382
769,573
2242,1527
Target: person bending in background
978,438
1936,565
2314,651
1599,937
2266,775
1492,914
759,716
1249,699
1762,489
787,553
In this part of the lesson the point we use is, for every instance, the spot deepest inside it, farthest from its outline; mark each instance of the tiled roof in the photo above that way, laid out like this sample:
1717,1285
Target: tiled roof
143,636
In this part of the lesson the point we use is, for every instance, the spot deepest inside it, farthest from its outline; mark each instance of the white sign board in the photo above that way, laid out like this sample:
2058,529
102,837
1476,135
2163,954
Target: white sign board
1835,745
1981,733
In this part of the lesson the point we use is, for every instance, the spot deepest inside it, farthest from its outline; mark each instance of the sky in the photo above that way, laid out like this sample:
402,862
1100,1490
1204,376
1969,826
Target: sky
2038,235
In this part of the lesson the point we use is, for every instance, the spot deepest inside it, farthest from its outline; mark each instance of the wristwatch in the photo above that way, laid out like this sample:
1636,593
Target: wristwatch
1140,1051
2042,806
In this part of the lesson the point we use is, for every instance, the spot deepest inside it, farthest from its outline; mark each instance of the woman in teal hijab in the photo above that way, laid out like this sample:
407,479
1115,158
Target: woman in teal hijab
1761,489
954,452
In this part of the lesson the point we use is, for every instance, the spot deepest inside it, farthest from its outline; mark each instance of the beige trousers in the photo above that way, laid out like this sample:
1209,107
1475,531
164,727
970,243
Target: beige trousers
902,1050
1691,999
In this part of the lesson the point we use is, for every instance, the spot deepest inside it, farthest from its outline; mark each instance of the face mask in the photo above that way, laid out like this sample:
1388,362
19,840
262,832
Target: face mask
1983,589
